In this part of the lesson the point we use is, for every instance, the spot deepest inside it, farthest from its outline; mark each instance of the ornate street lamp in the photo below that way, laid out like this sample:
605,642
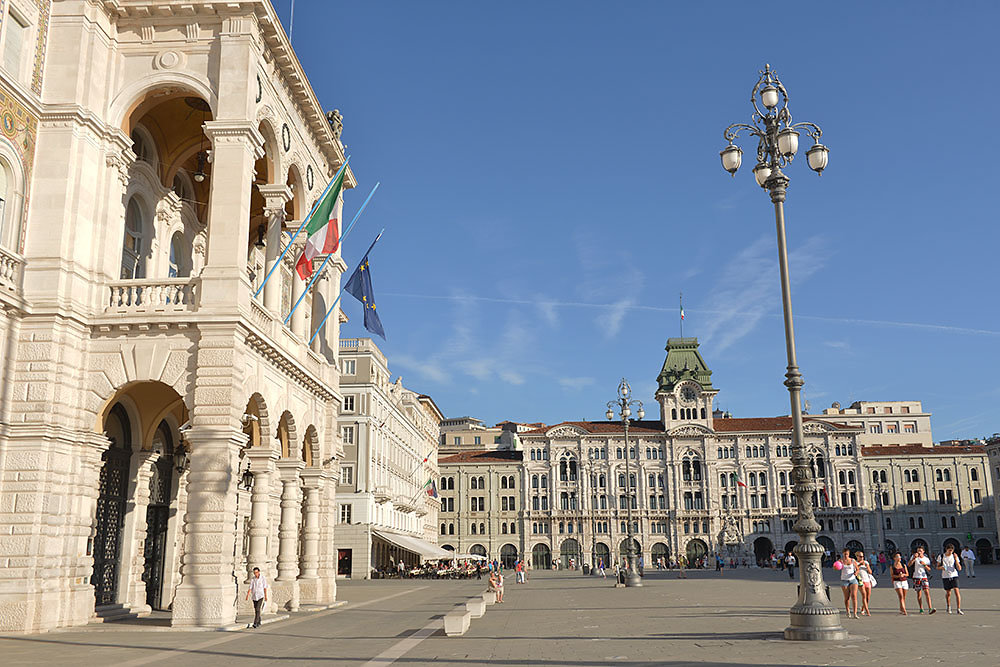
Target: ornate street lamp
624,404
812,616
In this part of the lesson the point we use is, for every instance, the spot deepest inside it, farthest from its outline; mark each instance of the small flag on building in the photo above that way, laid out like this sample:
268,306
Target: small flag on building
431,488
826,497
739,482
322,228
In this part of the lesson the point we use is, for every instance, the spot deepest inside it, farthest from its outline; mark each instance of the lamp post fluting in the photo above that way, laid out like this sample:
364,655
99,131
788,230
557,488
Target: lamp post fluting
813,617
881,515
623,405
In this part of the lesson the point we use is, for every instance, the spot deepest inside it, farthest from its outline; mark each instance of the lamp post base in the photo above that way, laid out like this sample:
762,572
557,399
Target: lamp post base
806,634
633,580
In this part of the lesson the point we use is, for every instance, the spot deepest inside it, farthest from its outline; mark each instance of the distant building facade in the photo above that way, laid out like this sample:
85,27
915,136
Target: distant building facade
390,437
701,482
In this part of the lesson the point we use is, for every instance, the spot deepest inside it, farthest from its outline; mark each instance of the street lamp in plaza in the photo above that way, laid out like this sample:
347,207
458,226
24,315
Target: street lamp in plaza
812,616
623,405
881,517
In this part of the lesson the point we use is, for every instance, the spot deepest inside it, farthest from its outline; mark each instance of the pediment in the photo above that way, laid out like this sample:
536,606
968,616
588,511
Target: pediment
817,427
690,430
566,431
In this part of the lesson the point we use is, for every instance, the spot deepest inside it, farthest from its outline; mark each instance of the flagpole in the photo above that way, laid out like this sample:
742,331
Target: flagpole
277,262
682,314
327,316
342,237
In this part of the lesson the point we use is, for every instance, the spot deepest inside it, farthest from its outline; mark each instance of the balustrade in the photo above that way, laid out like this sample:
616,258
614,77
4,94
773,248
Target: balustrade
150,295
10,270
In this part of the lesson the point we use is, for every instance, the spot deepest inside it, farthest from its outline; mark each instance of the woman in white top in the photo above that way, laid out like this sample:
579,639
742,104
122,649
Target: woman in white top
849,583
867,581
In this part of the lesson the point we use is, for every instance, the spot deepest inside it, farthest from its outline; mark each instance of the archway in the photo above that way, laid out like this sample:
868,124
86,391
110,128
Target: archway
478,550
854,546
570,549
603,554
829,548
955,544
984,551
111,506
695,550
890,548
789,546
919,543
762,550
623,549
508,555
541,557
660,550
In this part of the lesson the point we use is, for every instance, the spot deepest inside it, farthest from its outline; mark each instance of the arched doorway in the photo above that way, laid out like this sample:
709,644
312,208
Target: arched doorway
157,516
955,544
854,546
478,550
623,549
762,550
890,548
111,506
829,548
570,549
508,555
541,557
919,543
695,550
660,550
789,546
603,553
984,551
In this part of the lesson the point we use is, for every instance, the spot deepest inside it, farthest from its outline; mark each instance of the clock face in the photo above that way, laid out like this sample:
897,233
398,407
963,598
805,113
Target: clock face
688,393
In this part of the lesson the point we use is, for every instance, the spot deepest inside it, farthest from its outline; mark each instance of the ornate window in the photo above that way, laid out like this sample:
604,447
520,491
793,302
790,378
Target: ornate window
133,263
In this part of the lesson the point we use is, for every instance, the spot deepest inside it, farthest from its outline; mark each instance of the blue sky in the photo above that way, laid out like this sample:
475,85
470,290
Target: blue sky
551,182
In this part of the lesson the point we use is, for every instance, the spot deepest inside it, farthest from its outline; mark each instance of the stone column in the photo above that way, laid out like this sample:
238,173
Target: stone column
298,286
262,467
136,593
312,481
275,198
288,533
207,593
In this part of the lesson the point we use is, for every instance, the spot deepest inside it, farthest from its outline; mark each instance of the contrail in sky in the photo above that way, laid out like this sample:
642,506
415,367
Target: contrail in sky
660,309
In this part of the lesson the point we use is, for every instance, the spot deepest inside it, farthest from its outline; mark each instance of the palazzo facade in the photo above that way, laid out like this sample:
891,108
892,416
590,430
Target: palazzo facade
162,430
700,482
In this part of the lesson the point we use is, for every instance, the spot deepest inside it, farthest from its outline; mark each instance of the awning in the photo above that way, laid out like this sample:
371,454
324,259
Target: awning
422,548
469,557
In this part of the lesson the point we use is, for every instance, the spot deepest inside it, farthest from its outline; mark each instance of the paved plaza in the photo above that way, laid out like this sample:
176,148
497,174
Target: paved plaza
558,618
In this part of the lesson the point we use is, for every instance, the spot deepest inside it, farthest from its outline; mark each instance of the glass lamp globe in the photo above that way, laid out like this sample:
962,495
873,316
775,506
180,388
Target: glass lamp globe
731,156
641,414
788,142
818,156
609,414
762,172
626,413
769,96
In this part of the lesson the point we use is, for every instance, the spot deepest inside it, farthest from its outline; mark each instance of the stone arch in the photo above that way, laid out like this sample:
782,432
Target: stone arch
271,160
147,403
310,447
297,207
12,224
132,97
287,436
259,429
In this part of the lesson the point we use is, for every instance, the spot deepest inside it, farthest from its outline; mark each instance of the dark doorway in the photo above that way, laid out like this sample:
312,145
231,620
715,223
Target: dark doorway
157,515
344,561
984,552
110,514
541,557
762,550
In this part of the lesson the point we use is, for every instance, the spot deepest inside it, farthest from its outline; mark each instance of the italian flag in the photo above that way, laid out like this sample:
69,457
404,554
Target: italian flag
431,488
322,228
739,482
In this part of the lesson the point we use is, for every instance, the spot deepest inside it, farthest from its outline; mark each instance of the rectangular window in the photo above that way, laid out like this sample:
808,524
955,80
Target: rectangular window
906,409
345,514
348,404
350,366
477,440
458,440
875,428
496,440
347,434
910,427
892,427
347,474
16,31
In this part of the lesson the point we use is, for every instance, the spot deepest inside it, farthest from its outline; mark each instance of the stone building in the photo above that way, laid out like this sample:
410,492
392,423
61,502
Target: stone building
390,437
149,180
700,481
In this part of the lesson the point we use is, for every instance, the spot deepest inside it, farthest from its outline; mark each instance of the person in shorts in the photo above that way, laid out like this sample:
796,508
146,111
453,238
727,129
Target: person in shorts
920,566
900,574
950,564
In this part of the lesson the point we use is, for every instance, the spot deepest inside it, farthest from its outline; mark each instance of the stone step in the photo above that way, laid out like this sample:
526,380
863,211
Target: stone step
107,613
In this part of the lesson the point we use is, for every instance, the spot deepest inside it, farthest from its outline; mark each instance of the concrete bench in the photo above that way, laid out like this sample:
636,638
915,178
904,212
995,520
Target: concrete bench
476,606
489,597
456,623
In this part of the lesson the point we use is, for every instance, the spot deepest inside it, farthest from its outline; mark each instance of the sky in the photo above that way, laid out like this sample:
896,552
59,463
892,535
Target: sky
551,182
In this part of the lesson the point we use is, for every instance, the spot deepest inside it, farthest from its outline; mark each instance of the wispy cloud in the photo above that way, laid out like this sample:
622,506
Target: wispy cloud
837,344
610,322
576,383
428,369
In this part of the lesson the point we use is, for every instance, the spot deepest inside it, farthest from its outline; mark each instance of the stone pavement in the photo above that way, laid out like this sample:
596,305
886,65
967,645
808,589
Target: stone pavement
558,618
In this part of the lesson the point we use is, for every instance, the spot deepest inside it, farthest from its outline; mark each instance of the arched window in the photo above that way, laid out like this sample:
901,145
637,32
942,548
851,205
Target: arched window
659,479
915,475
473,529
947,475
621,480
133,263
503,481
850,477
9,219
881,476
842,477
974,475
906,476
180,257
141,145
718,454
686,470
782,478
545,481
451,529
762,478
443,529
722,480
652,480
482,482
602,481
534,481
940,478
482,529
473,484
749,451
532,454
696,470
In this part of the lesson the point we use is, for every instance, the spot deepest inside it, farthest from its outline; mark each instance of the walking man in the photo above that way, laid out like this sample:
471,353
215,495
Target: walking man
790,561
950,567
919,566
969,560
258,589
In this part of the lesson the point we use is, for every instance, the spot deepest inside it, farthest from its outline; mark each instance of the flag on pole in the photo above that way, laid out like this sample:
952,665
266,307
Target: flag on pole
739,482
826,496
431,488
322,228
682,313
360,287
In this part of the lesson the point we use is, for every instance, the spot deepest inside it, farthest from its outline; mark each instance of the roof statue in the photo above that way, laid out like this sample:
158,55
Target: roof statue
336,122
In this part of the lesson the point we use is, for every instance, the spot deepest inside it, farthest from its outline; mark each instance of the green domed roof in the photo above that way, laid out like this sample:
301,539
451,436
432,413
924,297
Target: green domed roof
684,362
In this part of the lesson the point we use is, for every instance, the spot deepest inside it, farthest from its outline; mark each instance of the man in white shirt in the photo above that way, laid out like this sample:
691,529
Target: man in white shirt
950,566
919,566
969,560
257,589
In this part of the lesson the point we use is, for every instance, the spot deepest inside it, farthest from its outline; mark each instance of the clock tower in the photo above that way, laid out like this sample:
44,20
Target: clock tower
685,392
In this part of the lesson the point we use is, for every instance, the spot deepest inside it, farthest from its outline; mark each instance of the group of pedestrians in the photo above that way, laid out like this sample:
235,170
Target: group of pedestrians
857,579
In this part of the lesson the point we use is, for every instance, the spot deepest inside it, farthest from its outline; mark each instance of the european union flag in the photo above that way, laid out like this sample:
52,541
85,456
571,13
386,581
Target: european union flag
360,287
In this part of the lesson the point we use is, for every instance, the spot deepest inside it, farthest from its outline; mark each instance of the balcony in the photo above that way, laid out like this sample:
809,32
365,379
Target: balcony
381,494
10,271
151,295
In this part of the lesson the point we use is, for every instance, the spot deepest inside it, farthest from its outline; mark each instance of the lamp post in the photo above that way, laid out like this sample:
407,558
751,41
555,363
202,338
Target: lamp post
812,616
881,516
624,404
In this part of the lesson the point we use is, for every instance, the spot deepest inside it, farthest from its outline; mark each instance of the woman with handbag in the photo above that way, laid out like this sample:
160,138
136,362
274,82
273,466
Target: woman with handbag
849,583
867,578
